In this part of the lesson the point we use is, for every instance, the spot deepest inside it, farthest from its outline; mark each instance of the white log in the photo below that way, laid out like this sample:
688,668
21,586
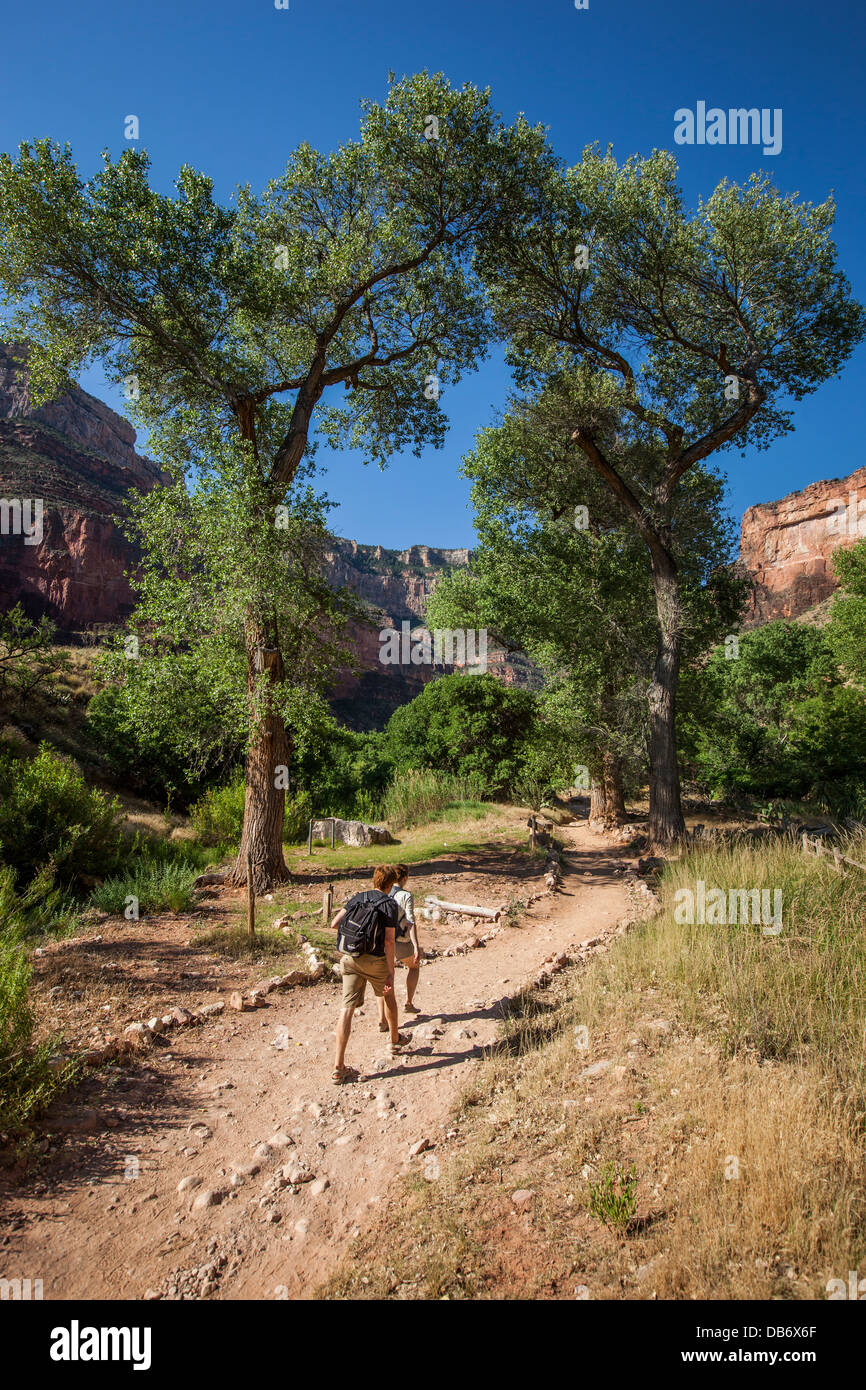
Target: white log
493,913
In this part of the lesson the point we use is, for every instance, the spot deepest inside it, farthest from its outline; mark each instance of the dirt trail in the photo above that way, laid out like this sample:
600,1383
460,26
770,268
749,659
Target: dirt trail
104,1219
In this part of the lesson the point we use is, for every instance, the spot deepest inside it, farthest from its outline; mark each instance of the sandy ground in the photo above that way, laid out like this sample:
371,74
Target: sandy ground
283,1168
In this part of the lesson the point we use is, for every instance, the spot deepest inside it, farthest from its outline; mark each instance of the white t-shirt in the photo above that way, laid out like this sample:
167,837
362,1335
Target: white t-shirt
406,904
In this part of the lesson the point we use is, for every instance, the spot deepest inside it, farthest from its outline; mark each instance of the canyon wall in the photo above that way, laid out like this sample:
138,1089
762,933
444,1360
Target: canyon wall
78,457
787,546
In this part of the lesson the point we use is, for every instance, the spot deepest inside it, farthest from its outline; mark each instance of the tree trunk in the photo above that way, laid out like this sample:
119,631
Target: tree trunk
597,801
614,798
666,824
269,751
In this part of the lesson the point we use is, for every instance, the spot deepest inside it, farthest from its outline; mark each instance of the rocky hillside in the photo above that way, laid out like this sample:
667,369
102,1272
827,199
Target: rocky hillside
79,458
787,546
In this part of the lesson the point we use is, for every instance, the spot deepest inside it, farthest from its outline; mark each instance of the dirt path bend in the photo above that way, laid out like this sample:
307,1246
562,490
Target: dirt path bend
241,1112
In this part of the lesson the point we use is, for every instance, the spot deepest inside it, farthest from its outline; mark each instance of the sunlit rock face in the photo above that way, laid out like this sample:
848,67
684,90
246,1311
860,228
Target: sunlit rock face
78,458
787,546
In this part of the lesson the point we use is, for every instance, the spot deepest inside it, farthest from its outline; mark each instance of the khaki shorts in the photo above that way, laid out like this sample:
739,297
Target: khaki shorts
403,950
358,971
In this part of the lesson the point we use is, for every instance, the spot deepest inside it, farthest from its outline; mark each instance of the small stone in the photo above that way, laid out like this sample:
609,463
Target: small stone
211,1197
280,1140
419,1147
597,1069
178,1017
156,1025
211,1010
187,1184
297,1173
151,1295
237,1002
523,1198
302,1226
319,1186
138,1034
263,1152
274,1216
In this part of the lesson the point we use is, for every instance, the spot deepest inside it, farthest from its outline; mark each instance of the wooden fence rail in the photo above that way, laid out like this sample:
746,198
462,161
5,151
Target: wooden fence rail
839,859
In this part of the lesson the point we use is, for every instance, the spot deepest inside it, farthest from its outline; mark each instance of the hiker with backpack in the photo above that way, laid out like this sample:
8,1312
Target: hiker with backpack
407,948
366,929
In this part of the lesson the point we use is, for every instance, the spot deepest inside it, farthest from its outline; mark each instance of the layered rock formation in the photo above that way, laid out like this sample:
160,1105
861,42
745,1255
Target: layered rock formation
78,458
787,546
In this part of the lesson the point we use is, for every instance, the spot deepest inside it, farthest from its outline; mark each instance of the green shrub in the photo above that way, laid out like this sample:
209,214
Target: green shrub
157,886
218,816
464,725
49,815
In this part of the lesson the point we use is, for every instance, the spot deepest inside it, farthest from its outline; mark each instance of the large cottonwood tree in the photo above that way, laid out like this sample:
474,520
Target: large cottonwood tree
683,333
339,301
560,572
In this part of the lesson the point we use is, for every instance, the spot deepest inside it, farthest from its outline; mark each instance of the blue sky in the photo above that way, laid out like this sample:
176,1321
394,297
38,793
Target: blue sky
232,86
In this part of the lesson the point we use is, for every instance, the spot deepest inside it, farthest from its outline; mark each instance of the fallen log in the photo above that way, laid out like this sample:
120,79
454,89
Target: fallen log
493,913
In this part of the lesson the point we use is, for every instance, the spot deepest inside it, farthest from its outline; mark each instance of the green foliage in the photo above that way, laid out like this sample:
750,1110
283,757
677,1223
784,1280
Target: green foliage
48,815
775,721
343,773
141,752
846,633
579,600
613,1199
467,725
297,819
218,816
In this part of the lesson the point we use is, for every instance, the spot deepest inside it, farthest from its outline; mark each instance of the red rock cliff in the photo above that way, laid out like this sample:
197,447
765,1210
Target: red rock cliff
787,546
78,458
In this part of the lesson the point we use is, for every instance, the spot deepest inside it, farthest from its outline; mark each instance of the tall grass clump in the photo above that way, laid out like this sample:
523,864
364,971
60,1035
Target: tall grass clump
413,798
26,1080
795,996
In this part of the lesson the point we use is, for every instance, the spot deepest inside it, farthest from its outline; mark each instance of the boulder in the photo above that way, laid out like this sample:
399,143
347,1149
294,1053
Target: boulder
352,832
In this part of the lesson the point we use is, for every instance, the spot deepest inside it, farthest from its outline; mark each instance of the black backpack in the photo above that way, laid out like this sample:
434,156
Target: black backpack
362,932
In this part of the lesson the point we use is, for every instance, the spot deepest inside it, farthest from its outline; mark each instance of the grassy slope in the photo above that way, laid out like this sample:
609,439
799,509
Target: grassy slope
729,1053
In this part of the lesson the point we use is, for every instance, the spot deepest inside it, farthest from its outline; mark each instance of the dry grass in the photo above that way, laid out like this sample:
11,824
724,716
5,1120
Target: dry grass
734,1085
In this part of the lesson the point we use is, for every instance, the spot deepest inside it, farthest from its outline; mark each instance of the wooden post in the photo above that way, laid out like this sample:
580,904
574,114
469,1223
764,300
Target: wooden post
327,905
310,837
805,843
251,898
532,832
333,826
837,860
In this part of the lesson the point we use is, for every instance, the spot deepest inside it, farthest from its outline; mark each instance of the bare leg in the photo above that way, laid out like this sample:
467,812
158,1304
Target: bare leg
344,1028
383,1026
411,985
390,1001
